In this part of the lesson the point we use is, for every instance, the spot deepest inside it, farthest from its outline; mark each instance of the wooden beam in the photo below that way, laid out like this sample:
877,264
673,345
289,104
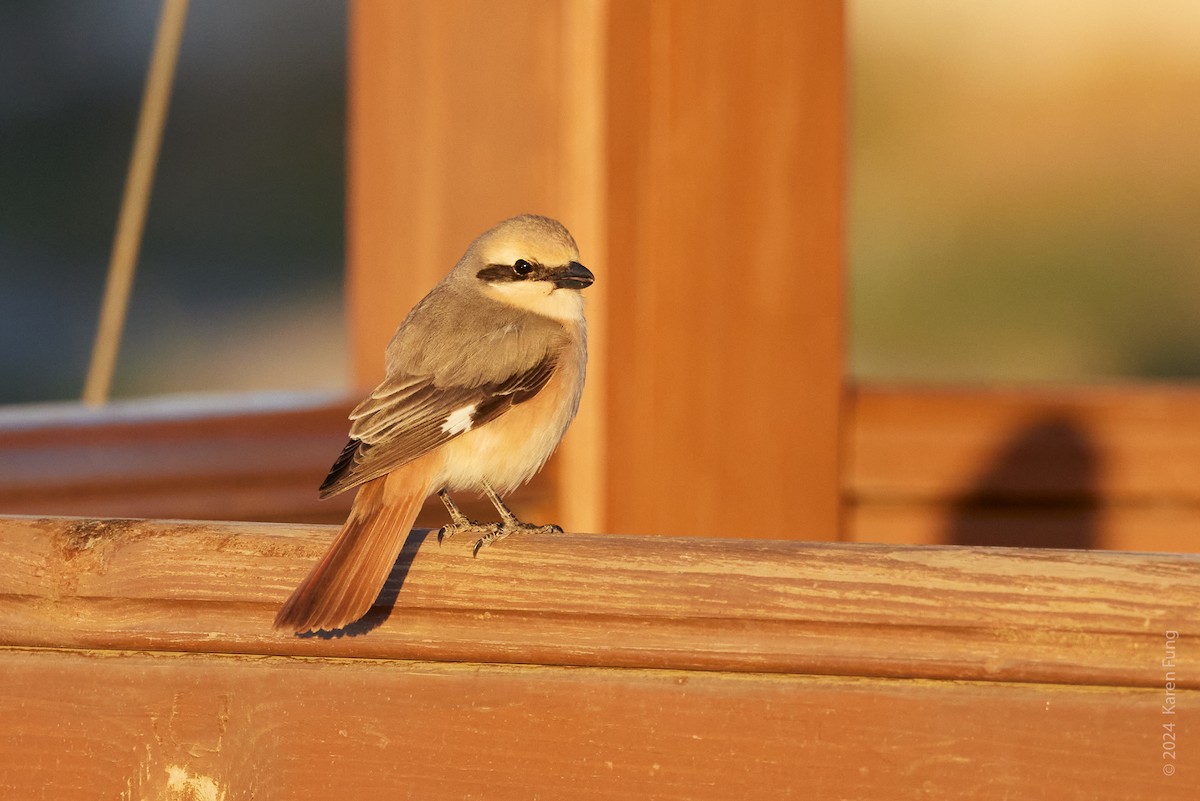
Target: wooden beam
1096,467
1088,466
636,602
138,659
217,457
89,724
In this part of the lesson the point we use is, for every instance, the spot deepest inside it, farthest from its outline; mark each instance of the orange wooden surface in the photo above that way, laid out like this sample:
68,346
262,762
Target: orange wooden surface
177,726
234,457
1084,467
609,601
461,114
705,174
1115,527
455,122
696,149
139,663
726,142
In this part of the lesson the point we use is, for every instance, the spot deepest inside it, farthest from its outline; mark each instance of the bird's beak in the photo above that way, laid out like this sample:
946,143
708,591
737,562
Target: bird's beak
573,276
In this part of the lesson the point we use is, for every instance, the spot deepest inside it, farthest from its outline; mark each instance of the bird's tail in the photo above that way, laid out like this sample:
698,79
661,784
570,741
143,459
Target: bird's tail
342,586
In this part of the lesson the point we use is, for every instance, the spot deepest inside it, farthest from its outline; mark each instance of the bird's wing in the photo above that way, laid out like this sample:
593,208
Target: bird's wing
408,416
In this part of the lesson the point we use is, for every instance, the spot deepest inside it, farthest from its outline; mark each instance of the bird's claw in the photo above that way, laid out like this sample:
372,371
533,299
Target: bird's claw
500,531
466,527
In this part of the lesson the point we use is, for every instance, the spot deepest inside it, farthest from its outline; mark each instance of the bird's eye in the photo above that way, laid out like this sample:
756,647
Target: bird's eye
522,267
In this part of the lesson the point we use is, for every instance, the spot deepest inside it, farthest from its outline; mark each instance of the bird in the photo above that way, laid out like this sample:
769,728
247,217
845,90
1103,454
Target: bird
483,378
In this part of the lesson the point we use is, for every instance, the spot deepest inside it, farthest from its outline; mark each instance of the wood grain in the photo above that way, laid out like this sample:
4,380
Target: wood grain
91,724
632,602
138,662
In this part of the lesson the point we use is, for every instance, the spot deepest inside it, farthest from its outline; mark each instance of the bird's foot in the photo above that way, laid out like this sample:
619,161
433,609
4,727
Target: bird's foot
513,526
460,523
465,526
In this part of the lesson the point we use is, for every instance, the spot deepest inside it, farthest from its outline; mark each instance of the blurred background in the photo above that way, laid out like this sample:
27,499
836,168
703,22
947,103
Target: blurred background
1024,192
239,283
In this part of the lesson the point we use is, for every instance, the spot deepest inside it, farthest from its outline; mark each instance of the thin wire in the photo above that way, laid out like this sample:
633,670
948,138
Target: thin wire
132,219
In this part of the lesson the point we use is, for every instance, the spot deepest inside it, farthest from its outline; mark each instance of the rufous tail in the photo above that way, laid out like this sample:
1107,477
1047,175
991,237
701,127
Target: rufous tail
342,586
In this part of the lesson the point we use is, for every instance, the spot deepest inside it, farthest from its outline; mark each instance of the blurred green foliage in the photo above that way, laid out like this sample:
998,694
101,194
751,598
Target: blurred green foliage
1024,191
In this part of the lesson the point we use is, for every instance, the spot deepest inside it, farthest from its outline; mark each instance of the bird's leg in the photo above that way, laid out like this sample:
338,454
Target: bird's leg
510,522
460,522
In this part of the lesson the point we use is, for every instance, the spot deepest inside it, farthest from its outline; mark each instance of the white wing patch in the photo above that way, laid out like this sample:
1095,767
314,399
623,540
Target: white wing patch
460,420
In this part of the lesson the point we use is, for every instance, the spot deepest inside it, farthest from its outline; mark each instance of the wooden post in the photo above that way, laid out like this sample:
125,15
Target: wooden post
696,151
463,113
725,212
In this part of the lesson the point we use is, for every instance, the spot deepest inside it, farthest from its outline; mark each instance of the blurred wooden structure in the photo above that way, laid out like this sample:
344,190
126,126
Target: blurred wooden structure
1108,468
697,152
1077,467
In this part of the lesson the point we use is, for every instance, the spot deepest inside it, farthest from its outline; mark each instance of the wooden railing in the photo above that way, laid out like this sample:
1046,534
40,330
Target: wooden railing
1114,467
233,457
137,657
139,662
1080,467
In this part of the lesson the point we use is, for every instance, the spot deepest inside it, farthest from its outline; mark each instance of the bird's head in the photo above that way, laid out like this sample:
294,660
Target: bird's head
532,263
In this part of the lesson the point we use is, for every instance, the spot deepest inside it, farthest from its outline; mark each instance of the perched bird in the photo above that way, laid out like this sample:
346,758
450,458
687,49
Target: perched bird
483,378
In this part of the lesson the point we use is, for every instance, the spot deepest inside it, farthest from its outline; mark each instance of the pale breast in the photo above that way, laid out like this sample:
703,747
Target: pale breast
507,451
